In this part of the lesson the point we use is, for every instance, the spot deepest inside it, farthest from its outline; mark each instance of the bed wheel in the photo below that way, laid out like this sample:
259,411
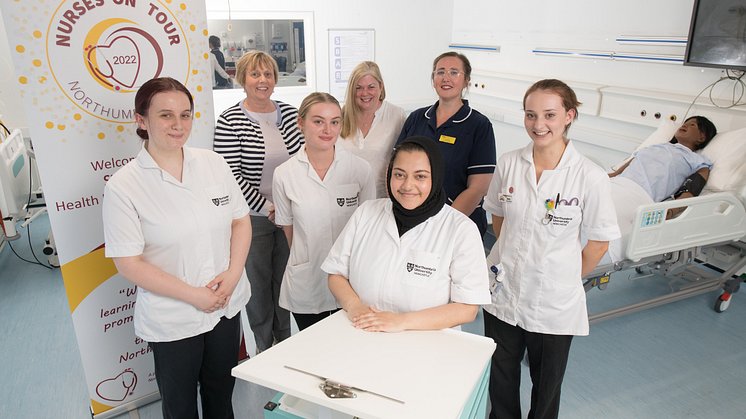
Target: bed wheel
638,269
721,305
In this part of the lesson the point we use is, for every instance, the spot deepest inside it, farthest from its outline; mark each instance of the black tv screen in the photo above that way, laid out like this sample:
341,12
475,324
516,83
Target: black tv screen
717,35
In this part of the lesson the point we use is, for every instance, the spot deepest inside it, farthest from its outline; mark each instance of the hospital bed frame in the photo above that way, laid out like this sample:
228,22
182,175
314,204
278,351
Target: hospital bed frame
679,247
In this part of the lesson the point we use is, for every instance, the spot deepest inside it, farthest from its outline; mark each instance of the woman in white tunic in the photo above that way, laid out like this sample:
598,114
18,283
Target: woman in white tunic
177,226
370,125
409,262
315,193
539,197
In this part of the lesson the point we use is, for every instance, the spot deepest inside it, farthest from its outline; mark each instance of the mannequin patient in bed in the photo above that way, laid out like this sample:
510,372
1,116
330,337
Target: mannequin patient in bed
660,172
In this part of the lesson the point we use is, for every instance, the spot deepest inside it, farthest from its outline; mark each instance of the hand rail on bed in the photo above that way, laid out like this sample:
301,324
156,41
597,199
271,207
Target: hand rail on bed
706,220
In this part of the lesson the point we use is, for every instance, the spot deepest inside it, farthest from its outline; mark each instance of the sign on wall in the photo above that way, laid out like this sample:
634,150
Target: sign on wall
347,49
79,64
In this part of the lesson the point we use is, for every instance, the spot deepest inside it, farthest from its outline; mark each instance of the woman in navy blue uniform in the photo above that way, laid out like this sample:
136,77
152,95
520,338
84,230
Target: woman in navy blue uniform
464,135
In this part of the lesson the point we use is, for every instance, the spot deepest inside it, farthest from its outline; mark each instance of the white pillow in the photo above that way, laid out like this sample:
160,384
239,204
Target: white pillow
663,134
727,152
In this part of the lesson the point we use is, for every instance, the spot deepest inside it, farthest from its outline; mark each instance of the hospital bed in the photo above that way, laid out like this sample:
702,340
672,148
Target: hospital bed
703,249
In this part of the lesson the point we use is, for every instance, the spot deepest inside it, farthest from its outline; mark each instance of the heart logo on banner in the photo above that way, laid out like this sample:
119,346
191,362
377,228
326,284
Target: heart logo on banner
118,61
118,388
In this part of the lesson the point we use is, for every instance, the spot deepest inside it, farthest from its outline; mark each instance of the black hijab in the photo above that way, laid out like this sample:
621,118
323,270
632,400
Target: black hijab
408,219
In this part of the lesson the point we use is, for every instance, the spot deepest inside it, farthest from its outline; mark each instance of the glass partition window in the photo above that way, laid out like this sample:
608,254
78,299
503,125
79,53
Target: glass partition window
283,39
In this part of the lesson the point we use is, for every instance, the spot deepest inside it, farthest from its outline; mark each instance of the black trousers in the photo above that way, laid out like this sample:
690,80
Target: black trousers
308,320
547,357
206,359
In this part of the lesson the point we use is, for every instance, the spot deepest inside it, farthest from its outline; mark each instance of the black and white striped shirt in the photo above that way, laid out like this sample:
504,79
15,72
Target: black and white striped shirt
238,138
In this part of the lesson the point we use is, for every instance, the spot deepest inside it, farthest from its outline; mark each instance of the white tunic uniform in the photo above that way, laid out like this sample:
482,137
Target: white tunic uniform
542,290
438,261
318,211
182,228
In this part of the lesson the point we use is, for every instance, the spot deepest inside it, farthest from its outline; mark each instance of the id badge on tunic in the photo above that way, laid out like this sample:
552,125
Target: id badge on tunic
496,277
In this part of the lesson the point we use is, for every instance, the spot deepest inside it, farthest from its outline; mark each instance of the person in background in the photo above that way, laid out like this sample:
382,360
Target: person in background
255,136
222,80
369,265
370,125
464,135
315,193
540,197
177,226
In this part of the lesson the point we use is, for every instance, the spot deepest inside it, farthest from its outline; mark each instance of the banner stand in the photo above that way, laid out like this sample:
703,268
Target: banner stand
79,65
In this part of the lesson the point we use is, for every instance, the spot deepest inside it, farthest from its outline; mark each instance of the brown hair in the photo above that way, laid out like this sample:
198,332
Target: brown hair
559,88
152,87
253,60
350,110
464,61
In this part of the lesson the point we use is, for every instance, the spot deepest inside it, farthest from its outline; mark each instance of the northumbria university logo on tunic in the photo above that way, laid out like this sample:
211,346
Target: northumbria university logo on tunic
349,202
420,270
219,202
100,61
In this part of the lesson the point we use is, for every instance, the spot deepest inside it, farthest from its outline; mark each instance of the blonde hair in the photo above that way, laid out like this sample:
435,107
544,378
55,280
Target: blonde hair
350,110
253,60
313,99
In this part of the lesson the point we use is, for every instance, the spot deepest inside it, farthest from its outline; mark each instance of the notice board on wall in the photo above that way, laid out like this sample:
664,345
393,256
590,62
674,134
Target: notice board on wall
347,49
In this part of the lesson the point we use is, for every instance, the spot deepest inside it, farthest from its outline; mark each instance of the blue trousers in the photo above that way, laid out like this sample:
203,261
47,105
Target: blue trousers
547,357
265,267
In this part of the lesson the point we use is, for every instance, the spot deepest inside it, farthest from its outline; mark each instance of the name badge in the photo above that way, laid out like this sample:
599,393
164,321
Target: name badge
447,139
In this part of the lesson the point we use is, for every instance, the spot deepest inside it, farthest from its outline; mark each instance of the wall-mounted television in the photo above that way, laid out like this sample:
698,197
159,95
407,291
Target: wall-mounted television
717,35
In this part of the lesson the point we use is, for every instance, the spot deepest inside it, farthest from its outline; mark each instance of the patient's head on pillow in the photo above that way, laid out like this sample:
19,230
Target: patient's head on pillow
705,131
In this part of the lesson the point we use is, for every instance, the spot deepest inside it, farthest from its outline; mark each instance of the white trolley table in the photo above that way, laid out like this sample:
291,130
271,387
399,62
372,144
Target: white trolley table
437,374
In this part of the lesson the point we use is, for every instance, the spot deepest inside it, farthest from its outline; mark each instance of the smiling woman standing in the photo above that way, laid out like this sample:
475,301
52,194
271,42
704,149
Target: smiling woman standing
316,192
370,125
177,226
540,197
409,262
464,136
255,136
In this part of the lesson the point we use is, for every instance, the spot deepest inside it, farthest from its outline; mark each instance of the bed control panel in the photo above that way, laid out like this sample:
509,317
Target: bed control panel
653,218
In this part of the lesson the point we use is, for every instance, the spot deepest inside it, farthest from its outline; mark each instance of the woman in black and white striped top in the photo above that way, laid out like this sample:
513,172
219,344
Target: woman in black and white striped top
255,136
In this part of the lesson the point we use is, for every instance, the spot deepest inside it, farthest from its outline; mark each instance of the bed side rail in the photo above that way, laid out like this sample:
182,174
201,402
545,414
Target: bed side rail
707,219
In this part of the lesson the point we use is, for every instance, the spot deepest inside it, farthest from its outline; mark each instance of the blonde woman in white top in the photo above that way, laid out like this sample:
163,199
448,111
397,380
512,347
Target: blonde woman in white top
370,125
315,193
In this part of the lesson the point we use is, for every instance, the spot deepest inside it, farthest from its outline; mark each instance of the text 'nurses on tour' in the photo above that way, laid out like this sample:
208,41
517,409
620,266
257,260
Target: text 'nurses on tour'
177,226
464,135
316,192
255,136
409,262
370,125
540,197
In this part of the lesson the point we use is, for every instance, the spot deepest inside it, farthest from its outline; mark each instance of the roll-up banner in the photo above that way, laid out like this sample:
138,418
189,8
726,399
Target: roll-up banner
79,63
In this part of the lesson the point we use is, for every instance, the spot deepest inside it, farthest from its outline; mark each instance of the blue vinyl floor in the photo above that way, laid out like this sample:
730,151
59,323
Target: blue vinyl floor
680,360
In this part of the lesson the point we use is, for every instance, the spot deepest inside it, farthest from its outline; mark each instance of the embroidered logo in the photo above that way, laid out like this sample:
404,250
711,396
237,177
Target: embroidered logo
223,200
505,198
347,202
420,270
